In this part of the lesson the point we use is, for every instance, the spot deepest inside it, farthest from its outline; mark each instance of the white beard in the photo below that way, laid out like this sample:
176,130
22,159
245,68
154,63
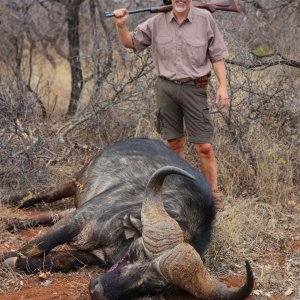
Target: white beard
180,9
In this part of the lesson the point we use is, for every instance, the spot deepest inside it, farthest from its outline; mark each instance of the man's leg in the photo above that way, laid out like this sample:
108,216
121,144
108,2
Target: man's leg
208,166
177,145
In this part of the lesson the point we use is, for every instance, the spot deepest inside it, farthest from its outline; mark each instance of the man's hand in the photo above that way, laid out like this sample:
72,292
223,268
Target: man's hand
222,97
121,16
222,94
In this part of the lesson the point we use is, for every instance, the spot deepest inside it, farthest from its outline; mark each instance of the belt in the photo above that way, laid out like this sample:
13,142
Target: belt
200,82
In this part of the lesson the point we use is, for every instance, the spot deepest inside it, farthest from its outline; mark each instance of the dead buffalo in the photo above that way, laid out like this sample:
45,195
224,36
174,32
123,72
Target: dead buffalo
143,213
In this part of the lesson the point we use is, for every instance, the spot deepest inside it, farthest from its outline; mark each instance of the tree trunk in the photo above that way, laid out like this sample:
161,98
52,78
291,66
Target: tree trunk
74,54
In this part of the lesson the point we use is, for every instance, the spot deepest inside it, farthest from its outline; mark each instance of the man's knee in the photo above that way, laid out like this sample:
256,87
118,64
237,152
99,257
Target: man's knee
204,149
177,145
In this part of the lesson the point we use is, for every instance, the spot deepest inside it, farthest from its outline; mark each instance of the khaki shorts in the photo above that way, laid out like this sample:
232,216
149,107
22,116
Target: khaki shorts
182,103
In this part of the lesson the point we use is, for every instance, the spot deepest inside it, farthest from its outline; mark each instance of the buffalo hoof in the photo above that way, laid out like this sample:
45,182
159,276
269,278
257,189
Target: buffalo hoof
11,262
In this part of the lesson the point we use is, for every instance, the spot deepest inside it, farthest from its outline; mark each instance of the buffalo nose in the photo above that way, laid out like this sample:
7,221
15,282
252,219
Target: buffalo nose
96,289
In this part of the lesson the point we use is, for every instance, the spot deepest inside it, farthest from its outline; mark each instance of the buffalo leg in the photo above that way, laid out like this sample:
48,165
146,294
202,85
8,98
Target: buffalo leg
41,219
62,232
30,199
63,261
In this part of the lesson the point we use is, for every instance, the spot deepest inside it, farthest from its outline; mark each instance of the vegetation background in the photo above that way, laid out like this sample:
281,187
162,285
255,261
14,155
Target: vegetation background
67,90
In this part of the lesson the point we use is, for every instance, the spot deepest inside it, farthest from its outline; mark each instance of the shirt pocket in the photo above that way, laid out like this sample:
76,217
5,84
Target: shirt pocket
163,46
196,51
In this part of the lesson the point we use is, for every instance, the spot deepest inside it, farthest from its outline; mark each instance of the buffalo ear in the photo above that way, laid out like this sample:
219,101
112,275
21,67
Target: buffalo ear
132,226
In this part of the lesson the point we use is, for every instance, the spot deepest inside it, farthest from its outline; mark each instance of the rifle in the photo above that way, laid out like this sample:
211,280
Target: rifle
225,5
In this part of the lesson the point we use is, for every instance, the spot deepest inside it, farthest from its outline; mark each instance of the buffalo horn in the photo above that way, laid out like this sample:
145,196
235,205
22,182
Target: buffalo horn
160,231
182,266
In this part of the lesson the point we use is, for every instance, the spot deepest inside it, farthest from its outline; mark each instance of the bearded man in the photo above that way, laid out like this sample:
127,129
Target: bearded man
186,44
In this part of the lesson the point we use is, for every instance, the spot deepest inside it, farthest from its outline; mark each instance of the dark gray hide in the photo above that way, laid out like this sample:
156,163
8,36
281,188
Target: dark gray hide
114,186
106,228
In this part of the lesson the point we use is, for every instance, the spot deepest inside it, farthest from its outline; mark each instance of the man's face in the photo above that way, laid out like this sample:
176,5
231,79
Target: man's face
181,6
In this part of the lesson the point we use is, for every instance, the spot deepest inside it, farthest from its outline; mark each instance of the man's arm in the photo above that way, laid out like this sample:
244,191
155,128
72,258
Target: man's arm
222,94
121,16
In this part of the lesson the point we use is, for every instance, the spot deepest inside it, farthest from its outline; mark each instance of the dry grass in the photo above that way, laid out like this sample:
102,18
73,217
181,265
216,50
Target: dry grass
249,228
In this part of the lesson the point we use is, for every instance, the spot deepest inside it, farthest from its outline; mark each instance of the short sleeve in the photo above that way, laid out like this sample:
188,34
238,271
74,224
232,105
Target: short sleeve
217,49
142,36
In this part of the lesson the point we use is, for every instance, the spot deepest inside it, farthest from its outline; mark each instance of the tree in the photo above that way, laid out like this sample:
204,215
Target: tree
72,8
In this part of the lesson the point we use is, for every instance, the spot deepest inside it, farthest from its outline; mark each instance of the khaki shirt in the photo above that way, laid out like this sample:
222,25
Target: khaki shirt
181,51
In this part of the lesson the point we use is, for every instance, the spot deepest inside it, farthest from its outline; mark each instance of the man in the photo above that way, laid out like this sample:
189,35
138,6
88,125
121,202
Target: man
186,44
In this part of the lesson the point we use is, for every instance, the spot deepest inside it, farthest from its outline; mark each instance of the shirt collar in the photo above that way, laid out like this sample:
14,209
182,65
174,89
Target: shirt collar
190,14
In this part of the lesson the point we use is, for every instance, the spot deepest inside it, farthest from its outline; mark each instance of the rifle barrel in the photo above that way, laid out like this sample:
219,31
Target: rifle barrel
135,11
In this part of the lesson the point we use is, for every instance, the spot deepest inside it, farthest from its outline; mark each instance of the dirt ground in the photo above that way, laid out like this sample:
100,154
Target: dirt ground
276,267
45,286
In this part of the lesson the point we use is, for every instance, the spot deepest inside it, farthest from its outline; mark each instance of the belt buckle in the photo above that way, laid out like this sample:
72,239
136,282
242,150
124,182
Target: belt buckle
177,81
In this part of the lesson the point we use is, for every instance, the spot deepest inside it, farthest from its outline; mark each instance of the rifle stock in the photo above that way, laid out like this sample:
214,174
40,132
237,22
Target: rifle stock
224,5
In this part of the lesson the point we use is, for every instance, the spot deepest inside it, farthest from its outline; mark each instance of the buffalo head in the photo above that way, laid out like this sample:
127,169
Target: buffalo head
164,258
